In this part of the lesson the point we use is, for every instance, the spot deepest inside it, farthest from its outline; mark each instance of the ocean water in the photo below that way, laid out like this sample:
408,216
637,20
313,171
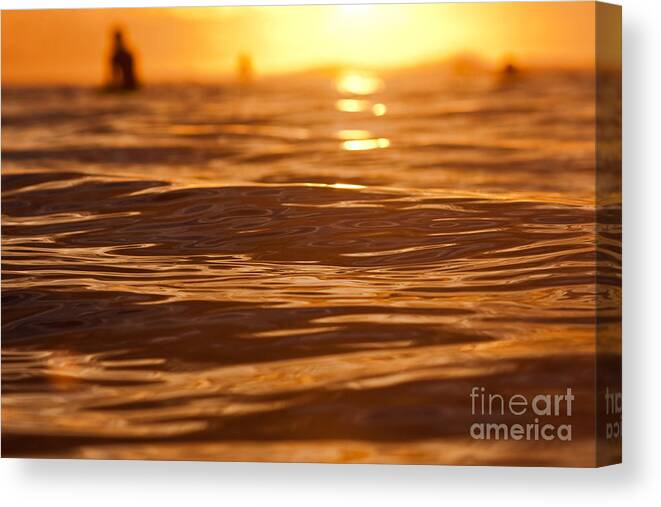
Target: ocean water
308,268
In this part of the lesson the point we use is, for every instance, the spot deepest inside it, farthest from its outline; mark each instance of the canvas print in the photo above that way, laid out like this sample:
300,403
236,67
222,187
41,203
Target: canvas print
337,233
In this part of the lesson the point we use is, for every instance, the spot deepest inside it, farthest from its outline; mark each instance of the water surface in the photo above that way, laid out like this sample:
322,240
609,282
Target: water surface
308,269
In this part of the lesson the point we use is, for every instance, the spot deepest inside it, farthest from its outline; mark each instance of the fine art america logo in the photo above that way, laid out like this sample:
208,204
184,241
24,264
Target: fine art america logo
542,408
613,414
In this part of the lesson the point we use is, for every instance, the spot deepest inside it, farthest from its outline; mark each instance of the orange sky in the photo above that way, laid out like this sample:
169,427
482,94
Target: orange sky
202,43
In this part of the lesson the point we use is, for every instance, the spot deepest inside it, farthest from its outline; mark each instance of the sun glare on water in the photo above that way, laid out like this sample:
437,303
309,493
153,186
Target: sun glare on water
379,109
359,83
365,144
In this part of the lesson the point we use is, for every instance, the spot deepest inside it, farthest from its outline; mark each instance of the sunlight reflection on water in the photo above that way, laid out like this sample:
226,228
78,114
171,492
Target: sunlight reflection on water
359,83
365,144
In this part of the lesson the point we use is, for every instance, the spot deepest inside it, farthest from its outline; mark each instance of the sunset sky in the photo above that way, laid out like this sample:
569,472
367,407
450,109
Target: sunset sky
203,43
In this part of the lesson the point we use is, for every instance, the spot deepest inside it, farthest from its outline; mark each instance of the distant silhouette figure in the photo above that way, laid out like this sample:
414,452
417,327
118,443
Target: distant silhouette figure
244,69
508,75
509,69
122,65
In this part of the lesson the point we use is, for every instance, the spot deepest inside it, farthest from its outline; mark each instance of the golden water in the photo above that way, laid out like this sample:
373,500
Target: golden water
302,270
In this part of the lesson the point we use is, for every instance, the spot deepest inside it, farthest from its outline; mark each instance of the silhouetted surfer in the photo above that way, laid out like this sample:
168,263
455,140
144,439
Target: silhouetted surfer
244,69
509,70
509,74
122,66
